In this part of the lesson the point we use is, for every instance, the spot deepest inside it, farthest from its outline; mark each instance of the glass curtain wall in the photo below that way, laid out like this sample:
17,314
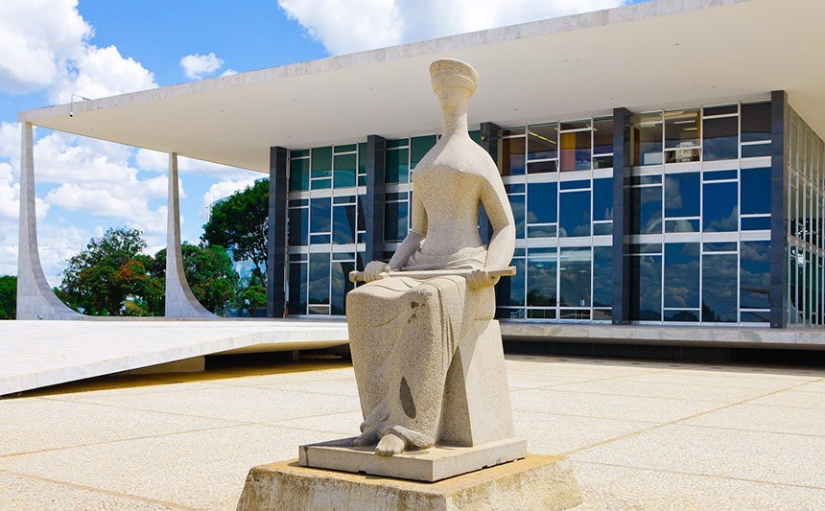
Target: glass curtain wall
325,226
558,177
805,175
700,202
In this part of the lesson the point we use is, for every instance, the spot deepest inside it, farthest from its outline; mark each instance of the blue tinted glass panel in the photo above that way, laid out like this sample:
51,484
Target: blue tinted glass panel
540,167
682,226
541,280
345,170
541,203
754,275
395,221
682,194
510,290
720,207
298,227
602,276
343,228
542,141
299,175
320,214
647,202
575,185
756,191
362,158
646,299
574,278
322,184
681,288
321,162
759,223
602,228
517,205
720,140
398,168
719,175
574,214
756,150
340,286
297,288
756,122
319,279
602,199
719,288
419,147
541,231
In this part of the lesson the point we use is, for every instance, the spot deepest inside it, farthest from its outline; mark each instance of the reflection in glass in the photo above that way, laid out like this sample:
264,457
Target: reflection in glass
647,207
603,136
682,136
321,163
681,289
682,192
721,138
318,278
646,296
298,226
574,214
518,207
602,276
511,151
720,207
719,288
756,122
419,147
538,167
297,288
345,170
320,215
756,191
542,201
754,275
340,286
541,280
298,174
510,290
398,168
395,221
542,141
574,277
343,219
602,199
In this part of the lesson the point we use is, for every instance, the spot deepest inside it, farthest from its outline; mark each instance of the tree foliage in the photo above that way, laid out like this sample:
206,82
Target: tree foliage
113,277
240,223
8,297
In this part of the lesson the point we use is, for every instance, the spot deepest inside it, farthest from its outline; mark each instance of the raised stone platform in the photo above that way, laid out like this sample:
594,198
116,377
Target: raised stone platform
535,483
434,464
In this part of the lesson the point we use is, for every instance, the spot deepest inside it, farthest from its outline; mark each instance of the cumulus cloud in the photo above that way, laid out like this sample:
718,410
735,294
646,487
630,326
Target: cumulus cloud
37,39
200,66
345,26
223,189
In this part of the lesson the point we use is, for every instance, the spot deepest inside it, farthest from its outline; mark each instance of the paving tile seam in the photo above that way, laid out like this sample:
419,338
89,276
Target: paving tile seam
761,431
357,413
122,440
699,474
594,393
581,416
103,491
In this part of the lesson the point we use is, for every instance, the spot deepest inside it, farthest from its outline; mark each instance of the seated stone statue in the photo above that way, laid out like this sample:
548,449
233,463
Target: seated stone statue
404,329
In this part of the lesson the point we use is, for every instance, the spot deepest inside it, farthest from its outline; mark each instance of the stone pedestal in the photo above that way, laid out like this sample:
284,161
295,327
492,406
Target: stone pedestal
535,483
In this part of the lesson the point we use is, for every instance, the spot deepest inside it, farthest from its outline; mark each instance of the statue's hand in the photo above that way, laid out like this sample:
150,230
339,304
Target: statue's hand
478,279
374,270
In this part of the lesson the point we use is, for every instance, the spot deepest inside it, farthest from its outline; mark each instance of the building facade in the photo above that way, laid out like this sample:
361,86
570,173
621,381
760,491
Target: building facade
707,214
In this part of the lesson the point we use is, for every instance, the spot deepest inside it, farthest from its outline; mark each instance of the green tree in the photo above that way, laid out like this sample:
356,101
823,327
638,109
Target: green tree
8,297
209,273
240,223
109,271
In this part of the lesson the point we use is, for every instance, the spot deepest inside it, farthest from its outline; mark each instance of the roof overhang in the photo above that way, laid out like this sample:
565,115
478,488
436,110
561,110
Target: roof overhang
666,53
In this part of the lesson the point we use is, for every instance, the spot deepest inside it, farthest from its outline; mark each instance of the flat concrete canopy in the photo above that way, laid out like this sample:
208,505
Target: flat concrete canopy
661,54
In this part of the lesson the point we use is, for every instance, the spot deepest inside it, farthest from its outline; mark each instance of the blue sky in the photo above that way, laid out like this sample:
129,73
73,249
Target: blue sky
51,49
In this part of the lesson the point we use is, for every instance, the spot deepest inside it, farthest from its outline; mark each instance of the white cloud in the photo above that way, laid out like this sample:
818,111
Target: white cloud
345,26
199,66
223,189
37,39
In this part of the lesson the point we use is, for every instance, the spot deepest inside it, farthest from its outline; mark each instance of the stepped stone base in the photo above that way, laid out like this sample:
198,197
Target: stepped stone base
535,483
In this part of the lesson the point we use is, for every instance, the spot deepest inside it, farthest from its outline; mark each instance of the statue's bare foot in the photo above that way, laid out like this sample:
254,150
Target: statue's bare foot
367,438
390,445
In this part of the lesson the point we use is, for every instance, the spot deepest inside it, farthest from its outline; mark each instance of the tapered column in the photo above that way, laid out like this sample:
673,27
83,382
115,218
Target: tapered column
35,299
180,301
276,255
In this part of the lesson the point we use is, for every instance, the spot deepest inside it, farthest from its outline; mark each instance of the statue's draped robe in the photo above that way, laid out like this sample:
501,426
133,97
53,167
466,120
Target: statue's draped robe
403,333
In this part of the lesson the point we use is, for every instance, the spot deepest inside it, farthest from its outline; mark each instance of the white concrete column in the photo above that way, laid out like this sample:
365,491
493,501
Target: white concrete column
35,299
180,301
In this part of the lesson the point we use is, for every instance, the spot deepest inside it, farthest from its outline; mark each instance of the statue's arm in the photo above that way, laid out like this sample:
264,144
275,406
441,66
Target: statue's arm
503,242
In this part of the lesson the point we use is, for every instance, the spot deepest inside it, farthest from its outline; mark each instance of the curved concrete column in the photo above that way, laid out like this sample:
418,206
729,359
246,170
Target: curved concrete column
180,301
35,299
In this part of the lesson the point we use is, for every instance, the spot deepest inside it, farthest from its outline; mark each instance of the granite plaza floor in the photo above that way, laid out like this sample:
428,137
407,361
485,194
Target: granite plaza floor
642,435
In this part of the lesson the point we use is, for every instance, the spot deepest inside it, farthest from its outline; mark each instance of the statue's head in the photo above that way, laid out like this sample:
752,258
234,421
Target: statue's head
454,81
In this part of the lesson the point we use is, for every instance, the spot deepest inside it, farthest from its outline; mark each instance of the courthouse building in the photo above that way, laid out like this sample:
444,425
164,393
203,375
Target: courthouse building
664,161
